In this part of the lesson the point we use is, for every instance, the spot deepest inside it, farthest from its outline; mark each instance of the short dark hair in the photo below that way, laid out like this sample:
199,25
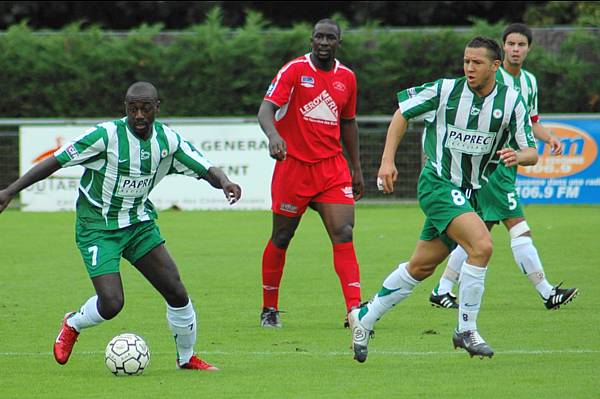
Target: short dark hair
494,50
141,89
330,21
518,28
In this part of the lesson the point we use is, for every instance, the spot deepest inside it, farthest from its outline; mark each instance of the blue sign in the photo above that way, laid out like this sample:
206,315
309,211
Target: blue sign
571,178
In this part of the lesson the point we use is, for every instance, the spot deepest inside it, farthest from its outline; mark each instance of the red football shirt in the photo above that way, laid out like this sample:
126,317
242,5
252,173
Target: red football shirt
312,102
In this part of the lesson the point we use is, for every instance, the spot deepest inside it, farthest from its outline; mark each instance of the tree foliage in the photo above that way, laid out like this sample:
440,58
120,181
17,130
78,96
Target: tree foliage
210,69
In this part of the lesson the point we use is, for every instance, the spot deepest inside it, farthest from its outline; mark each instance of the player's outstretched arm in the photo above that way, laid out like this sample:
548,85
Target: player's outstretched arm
266,120
218,179
39,172
349,136
388,173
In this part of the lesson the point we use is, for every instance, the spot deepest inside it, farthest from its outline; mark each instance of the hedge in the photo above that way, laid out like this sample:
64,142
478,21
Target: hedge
212,70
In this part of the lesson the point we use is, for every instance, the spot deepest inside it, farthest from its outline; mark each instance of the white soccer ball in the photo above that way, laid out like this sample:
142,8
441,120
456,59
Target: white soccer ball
127,354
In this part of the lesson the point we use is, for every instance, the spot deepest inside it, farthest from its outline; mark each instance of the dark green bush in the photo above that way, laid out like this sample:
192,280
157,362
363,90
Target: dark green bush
211,70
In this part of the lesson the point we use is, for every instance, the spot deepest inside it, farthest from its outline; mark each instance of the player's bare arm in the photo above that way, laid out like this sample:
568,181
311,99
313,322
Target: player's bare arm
218,179
388,173
525,157
39,172
349,135
542,133
266,119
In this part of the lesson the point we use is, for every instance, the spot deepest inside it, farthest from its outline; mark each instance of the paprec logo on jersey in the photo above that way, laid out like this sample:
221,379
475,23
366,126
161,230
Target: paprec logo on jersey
579,152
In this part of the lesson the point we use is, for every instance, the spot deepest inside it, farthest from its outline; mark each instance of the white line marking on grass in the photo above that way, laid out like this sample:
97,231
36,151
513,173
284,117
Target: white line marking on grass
306,353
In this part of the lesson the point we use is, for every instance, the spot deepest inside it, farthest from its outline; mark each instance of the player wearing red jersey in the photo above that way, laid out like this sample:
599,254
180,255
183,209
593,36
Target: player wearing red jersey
309,106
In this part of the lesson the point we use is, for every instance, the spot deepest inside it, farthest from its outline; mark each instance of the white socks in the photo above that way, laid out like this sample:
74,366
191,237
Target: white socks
525,255
182,322
470,294
529,261
87,316
452,271
396,287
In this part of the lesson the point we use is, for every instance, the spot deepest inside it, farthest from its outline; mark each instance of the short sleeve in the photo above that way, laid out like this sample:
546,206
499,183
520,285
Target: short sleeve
533,112
281,86
520,125
419,100
187,160
349,110
82,148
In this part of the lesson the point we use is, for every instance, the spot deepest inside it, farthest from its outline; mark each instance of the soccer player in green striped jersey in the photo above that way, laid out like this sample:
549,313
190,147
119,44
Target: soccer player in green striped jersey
472,124
124,160
499,199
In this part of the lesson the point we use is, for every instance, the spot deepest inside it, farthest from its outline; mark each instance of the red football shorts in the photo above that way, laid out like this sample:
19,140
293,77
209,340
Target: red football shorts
296,184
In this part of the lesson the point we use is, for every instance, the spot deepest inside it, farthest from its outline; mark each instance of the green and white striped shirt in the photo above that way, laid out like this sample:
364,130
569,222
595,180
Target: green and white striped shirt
526,84
121,170
463,131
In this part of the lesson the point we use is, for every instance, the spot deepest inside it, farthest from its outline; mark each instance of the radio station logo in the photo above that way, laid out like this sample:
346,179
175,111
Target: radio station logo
580,150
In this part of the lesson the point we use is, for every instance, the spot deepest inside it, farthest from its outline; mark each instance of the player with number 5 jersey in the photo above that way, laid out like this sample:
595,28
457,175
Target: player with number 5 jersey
123,161
468,124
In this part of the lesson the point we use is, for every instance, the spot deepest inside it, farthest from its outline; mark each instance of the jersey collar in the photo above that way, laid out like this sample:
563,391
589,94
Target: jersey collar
517,76
129,131
336,64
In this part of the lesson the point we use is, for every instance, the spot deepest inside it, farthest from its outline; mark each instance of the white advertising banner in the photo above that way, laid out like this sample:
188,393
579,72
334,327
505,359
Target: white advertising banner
240,150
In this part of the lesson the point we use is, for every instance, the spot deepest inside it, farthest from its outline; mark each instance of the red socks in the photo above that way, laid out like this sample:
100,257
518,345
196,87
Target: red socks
272,270
346,267
344,261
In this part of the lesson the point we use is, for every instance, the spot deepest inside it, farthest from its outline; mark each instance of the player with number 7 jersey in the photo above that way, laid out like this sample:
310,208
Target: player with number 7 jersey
123,161
121,170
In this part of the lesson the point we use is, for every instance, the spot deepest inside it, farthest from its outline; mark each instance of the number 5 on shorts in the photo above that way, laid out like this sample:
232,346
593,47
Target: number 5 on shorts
94,251
512,202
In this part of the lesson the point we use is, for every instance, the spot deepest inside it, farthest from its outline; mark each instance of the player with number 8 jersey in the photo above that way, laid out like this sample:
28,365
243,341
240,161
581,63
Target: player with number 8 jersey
468,122
499,199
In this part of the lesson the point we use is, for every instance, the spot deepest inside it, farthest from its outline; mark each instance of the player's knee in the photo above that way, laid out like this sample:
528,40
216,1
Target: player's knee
110,306
281,238
420,270
342,233
482,251
520,229
177,297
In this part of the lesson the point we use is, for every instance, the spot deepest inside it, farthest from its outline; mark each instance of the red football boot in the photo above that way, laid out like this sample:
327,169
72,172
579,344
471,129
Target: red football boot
195,363
65,341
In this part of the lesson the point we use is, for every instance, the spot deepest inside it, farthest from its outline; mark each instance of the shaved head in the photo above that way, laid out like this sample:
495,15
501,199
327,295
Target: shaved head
329,21
141,90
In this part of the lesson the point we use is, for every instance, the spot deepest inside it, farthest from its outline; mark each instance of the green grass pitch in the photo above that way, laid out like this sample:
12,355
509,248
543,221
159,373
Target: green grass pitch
539,353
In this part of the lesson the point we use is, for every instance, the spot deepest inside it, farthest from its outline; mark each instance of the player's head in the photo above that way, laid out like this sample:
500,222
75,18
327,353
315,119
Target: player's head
481,61
516,42
326,38
141,106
